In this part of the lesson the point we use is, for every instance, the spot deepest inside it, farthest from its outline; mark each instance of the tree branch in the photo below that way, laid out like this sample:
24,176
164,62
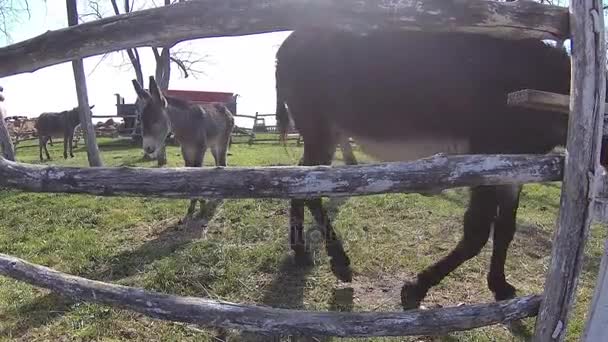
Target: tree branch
181,66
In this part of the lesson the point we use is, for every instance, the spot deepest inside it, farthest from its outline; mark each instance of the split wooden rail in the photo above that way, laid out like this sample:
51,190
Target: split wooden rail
579,168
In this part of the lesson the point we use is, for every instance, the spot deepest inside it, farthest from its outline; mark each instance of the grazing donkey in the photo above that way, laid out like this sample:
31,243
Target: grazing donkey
196,127
407,95
57,124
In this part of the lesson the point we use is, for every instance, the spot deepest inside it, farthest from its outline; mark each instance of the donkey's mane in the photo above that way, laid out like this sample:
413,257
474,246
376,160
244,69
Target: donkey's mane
177,102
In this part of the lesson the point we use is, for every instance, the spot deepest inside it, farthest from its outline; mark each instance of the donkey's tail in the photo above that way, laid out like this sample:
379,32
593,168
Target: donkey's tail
282,114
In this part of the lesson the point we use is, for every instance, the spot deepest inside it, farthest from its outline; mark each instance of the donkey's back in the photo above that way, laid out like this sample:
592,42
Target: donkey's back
207,124
54,123
404,95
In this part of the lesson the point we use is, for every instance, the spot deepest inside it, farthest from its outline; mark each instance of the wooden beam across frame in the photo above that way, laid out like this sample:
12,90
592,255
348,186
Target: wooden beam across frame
266,320
216,18
424,175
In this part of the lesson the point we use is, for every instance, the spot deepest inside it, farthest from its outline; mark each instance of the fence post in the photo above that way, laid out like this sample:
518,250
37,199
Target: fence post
81,91
581,169
8,150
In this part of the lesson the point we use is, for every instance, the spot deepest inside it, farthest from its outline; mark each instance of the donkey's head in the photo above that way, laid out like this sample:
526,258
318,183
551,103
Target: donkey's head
154,118
73,116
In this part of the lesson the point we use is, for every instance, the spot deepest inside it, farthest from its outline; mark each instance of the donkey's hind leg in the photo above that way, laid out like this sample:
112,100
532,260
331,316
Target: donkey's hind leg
320,151
42,141
478,220
504,230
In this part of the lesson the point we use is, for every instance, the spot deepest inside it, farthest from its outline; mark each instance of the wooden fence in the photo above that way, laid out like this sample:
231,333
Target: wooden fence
582,175
270,132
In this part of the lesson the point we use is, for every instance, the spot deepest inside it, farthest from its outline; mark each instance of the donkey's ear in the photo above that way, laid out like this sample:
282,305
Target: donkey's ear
141,92
157,94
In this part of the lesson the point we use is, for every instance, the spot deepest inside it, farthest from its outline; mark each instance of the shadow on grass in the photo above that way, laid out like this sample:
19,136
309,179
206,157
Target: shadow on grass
47,308
287,288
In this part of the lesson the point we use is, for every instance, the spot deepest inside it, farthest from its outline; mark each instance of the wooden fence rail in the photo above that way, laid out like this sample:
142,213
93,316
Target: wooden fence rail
424,175
213,18
265,320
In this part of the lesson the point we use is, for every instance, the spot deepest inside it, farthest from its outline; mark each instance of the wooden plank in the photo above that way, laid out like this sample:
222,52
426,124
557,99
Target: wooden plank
581,171
83,100
164,26
266,320
429,174
245,116
113,116
597,318
541,100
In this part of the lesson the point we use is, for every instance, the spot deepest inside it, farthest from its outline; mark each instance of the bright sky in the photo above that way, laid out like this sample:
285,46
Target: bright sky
242,65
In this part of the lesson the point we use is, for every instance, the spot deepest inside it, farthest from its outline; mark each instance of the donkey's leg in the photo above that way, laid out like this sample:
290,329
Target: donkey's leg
347,152
320,151
71,141
46,151
477,223
193,157
339,261
40,143
66,138
504,229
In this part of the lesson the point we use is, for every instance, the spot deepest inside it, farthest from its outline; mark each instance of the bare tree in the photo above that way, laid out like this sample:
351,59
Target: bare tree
164,56
10,13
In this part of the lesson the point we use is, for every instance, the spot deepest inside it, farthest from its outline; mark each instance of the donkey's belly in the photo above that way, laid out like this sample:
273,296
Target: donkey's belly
412,148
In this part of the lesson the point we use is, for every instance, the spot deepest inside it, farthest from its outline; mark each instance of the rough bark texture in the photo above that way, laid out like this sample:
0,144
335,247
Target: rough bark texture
265,320
430,174
581,171
543,100
168,25
597,319
83,100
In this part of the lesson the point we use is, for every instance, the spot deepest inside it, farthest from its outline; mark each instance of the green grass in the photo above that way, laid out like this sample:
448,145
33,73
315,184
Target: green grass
242,255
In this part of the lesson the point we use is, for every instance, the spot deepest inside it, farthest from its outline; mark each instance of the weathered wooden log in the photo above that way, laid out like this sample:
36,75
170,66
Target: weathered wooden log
212,18
424,175
543,100
265,320
84,111
597,319
582,168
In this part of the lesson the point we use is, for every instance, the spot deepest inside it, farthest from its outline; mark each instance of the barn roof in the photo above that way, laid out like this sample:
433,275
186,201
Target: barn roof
200,96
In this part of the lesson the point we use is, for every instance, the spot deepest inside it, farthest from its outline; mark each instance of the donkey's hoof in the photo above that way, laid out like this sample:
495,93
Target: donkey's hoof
411,295
341,271
507,291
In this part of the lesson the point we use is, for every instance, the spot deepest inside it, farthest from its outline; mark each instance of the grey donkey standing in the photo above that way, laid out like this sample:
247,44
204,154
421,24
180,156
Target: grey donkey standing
61,124
196,127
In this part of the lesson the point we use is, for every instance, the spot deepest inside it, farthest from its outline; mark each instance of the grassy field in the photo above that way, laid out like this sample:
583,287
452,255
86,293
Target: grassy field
242,254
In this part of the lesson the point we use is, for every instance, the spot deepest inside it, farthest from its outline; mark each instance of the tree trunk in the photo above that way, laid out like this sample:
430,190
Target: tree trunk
81,91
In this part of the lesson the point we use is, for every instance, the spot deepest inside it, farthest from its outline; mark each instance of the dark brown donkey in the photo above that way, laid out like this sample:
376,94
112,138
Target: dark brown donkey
407,95
196,127
61,124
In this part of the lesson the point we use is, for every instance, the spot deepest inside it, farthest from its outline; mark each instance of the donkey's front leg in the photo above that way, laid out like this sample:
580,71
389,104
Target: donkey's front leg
193,157
71,141
66,138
